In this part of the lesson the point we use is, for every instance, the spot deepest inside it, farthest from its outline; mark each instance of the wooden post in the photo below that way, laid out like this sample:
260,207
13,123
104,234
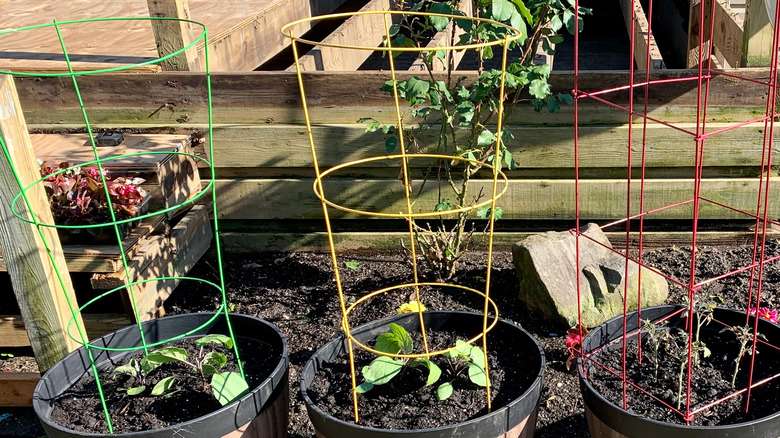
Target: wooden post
757,39
171,36
39,293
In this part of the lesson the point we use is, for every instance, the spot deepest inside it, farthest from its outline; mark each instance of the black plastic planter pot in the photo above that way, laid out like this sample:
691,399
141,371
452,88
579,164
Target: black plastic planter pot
261,412
515,420
607,420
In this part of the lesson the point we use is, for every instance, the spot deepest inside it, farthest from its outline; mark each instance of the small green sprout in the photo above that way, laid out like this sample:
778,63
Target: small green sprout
226,386
744,335
353,264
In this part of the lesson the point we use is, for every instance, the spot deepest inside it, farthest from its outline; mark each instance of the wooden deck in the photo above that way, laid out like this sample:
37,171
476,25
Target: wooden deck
242,33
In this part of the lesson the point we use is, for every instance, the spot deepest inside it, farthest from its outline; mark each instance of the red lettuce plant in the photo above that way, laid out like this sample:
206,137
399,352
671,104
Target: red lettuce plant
77,196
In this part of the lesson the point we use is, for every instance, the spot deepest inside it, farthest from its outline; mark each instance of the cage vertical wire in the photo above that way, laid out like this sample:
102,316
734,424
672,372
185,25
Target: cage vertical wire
703,80
407,204
21,199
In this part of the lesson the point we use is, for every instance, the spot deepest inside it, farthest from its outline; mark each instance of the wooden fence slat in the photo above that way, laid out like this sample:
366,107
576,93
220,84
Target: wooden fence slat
525,199
238,242
285,146
177,98
358,30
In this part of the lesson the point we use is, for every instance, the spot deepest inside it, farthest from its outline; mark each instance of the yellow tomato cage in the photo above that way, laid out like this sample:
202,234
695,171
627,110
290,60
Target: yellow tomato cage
409,214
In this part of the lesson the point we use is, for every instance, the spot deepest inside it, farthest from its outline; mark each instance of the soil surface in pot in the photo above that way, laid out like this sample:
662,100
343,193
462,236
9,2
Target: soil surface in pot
297,293
190,396
406,403
710,381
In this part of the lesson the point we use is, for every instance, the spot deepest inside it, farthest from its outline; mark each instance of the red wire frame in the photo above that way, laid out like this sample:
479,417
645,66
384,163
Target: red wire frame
759,259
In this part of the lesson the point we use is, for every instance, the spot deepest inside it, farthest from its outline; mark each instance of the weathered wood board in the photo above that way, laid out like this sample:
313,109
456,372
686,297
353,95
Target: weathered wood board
13,333
637,22
275,199
16,389
242,33
263,160
342,98
161,256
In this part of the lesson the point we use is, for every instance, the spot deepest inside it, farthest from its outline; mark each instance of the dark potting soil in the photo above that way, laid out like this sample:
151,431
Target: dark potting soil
191,397
296,292
710,380
406,403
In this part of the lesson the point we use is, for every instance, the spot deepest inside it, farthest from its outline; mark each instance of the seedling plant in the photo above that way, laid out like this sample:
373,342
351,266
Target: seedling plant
225,386
464,358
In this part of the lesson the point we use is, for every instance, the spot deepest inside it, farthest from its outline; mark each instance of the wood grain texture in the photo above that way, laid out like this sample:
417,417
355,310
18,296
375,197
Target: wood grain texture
359,30
728,33
16,389
43,299
13,333
244,33
757,38
525,199
533,147
161,256
171,36
638,23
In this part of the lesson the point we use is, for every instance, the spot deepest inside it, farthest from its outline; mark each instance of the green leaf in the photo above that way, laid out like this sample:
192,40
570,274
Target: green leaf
570,19
364,387
509,161
443,206
208,369
228,386
388,343
136,390
516,21
167,354
526,13
216,359
352,264
486,138
483,213
539,88
364,119
416,90
373,126
382,369
129,369
390,144
444,391
214,339
487,52
566,98
163,385
556,23
148,366
434,372
394,29
553,105
440,23
501,10
555,39
477,374
403,337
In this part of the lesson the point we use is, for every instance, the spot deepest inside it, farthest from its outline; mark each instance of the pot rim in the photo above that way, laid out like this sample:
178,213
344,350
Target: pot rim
280,369
537,382
585,384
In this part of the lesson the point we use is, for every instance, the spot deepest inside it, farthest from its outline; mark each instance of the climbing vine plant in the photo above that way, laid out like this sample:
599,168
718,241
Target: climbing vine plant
463,114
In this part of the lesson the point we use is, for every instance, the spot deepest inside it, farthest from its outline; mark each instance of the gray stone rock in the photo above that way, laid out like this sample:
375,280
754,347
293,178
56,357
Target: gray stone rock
546,266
